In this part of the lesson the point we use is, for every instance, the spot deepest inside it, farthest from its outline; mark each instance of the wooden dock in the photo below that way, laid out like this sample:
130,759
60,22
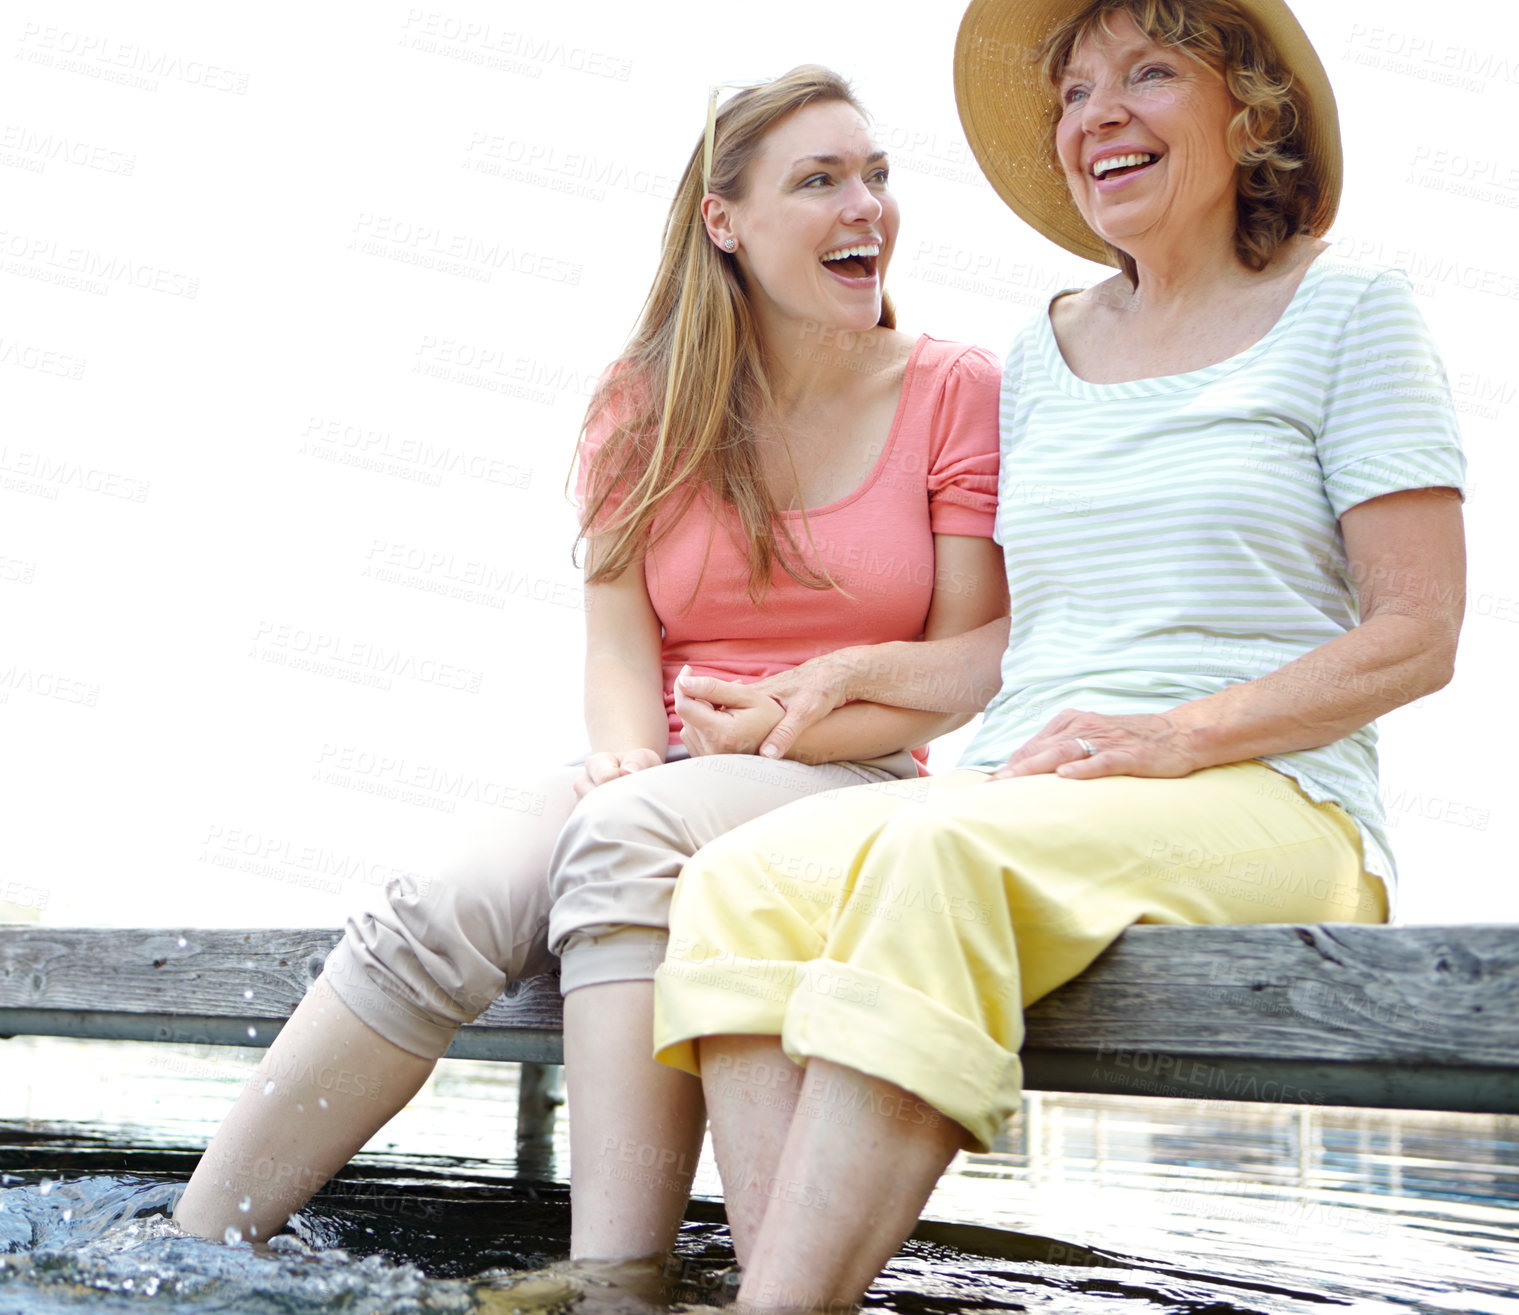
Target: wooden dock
1330,1014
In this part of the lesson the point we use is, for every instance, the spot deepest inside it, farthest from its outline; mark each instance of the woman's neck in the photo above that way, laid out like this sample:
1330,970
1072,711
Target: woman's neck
1117,333
1181,270
811,364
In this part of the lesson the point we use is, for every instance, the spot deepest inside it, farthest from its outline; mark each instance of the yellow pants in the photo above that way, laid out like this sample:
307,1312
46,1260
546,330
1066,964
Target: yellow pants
902,929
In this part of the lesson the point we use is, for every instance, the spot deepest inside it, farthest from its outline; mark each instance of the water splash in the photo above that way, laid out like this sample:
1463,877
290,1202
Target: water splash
115,1241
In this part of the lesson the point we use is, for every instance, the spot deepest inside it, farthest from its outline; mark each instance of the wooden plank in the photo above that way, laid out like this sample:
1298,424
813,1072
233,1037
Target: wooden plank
1406,1017
1331,992
1331,1014
209,986
209,973
213,973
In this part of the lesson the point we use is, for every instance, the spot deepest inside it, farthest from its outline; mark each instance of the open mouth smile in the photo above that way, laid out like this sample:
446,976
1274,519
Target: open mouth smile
1121,166
856,263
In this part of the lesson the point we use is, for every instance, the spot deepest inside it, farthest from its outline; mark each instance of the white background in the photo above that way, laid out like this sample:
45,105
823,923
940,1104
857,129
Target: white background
247,199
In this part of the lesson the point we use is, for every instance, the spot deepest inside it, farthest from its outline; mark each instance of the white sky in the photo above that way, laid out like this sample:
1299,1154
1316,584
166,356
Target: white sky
177,524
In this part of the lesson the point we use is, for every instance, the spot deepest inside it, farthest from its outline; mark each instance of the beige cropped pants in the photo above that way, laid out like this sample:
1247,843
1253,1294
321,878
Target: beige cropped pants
590,882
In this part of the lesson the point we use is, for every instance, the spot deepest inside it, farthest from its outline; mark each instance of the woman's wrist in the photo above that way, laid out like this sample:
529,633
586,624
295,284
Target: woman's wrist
1243,722
612,737
869,673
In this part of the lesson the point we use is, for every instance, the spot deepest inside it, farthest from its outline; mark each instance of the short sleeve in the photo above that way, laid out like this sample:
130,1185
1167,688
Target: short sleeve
1389,422
599,427
962,447
590,444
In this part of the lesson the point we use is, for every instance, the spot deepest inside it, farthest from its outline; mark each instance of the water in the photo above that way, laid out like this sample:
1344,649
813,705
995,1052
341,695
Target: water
1123,1206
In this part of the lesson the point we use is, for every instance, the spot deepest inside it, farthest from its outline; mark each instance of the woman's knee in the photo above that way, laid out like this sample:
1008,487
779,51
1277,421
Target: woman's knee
481,919
631,828
496,911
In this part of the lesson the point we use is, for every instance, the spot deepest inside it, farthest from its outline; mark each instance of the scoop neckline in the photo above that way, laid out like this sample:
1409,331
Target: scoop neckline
886,448
1076,386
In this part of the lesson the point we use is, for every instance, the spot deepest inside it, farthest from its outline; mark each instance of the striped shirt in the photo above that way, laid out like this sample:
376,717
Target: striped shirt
1168,537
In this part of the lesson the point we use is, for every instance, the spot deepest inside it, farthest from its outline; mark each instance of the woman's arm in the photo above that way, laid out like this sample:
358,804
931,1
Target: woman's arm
624,682
970,593
1407,553
953,675
914,691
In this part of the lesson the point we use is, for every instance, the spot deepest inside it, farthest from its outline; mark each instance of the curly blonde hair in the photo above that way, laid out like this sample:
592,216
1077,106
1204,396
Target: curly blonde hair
1277,197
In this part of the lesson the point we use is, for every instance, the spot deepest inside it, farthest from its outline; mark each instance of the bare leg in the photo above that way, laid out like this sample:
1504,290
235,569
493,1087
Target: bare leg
860,1159
324,1088
751,1089
417,967
635,1126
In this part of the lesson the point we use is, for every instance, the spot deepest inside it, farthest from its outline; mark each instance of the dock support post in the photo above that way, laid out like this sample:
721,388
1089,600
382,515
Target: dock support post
540,1093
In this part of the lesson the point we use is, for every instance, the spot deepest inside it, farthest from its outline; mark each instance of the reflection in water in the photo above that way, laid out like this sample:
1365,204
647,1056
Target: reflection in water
1088,1204
1414,1209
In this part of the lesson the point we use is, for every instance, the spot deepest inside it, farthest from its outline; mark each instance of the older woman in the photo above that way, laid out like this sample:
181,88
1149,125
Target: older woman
1243,544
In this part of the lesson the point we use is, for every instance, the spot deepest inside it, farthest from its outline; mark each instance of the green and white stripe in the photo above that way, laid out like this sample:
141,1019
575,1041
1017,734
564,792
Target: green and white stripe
1168,537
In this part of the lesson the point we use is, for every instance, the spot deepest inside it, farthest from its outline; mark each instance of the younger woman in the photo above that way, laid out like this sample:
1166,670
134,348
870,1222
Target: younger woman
769,472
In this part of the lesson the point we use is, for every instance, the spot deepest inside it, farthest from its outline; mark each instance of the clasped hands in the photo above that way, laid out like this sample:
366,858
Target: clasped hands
767,716
723,716
717,716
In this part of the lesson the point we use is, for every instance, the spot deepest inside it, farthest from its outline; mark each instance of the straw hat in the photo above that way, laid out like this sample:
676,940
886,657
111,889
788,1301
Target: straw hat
1005,106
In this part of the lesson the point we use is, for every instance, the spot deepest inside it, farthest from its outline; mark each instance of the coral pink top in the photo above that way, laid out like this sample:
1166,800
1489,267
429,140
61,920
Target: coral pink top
937,474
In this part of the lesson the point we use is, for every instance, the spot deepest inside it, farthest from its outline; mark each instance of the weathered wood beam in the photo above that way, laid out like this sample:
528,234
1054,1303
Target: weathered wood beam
1401,1017
210,986
1342,1013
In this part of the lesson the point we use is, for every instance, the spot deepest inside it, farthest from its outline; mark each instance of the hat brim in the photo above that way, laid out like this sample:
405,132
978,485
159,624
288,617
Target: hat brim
1005,106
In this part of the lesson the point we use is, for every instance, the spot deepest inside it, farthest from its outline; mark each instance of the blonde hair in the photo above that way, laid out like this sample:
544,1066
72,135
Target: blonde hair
1276,198
681,406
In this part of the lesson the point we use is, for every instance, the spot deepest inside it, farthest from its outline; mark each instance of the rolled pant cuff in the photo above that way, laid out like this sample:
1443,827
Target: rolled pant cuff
629,954
882,1028
401,1024
717,997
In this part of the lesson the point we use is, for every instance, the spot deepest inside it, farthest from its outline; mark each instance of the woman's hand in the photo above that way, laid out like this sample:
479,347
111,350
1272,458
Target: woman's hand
1138,745
806,694
721,716
600,768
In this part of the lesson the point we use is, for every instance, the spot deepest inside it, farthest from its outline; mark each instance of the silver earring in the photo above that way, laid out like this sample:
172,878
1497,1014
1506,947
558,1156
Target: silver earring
730,244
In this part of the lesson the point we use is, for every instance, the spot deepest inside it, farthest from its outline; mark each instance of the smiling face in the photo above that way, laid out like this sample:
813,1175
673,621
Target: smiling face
817,222
1143,139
